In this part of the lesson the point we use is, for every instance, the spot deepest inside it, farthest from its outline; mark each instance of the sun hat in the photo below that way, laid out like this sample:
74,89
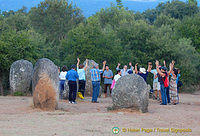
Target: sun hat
143,70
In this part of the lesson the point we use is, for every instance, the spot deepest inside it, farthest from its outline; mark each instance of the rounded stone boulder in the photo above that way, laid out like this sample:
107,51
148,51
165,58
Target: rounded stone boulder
45,85
21,72
131,91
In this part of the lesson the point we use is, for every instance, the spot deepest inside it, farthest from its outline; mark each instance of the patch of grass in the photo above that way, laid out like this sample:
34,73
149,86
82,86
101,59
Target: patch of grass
110,108
19,94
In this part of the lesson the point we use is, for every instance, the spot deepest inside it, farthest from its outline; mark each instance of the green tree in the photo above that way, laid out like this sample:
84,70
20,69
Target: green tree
119,4
55,18
113,16
188,59
189,28
88,40
133,36
193,2
150,15
165,20
17,45
177,9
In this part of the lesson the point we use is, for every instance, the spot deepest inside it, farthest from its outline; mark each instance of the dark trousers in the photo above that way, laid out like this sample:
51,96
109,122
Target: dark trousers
106,86
167,92
82,87
72,91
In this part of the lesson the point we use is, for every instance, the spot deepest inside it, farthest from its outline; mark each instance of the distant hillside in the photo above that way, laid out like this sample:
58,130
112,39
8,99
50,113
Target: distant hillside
88,7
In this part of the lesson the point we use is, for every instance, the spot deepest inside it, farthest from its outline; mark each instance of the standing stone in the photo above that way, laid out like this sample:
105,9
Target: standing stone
131,91
88,88
45,85
66,90
21,72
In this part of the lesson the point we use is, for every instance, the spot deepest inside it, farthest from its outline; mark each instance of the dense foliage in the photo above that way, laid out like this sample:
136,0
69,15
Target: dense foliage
57,30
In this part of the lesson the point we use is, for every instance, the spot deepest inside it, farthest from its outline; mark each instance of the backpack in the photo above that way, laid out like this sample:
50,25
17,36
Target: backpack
166,81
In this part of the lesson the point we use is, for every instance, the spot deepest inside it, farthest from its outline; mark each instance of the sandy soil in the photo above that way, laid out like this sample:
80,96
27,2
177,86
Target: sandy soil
18,118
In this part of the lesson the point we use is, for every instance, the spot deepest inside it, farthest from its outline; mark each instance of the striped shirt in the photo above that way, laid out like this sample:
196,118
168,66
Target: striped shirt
96,74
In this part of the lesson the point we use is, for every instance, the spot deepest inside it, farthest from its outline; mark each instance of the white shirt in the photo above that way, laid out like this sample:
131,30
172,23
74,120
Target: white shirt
117,77
62,75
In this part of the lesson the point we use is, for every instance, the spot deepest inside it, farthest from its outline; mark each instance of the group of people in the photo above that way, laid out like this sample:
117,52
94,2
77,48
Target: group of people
166,83
165,90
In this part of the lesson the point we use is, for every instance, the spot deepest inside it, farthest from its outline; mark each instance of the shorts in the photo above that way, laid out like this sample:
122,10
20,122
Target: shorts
156,85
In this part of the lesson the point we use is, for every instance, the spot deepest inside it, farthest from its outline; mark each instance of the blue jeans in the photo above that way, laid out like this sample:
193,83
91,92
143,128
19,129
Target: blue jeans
167,93
96,87
163,94
61,88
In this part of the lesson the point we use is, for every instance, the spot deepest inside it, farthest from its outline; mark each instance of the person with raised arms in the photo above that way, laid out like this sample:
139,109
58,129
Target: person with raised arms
125,70
81,69
96,78
142,72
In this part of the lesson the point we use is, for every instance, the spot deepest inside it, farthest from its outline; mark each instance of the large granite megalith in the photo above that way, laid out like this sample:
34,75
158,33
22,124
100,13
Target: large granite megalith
88,88
21,72
66,91
45,85
131,91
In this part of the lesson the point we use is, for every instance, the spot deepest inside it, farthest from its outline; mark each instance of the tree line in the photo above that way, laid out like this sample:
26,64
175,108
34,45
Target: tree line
56,29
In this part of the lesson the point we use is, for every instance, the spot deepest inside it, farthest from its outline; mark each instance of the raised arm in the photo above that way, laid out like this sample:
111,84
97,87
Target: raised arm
158,70
104,65
118,66
136,70
86,65
164,63
149,67
171,66
131,67
78,62
173,62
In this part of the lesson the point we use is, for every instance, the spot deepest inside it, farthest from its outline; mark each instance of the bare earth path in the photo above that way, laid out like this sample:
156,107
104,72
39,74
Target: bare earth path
18,118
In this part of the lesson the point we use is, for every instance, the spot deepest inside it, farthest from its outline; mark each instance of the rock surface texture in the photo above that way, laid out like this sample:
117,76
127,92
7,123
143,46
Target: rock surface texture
21,72
45,85
131,91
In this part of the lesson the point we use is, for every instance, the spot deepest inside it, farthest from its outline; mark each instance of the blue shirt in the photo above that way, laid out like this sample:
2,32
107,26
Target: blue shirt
95,74
154,71
144,76
178,76
108,73
72,75
81,74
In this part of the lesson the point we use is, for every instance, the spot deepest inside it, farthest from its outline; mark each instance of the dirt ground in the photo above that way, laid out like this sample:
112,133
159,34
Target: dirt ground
18,118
